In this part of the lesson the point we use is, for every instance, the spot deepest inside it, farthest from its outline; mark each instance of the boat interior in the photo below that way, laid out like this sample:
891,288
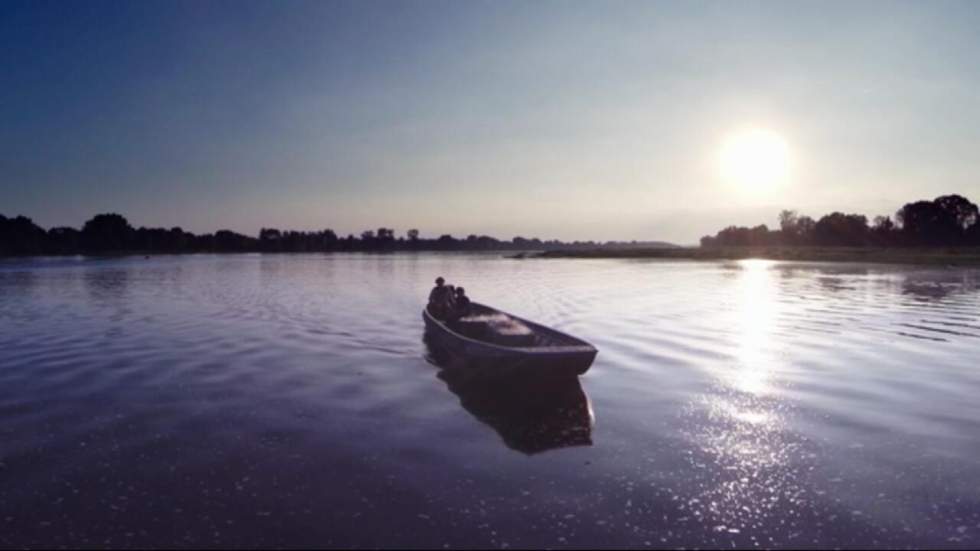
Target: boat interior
488,325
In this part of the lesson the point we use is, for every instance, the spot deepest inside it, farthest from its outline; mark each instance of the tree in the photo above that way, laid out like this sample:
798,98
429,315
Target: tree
179,239
63,240
805,228
107,233
739,236
789,226
269,234
972,235
445,241
229,241
328,240
883,231
842,229
21,235
883,224
270,240
947,220
788,220
960,209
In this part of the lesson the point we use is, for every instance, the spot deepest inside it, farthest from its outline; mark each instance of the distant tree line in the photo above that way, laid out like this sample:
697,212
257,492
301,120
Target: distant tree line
947,221
112,234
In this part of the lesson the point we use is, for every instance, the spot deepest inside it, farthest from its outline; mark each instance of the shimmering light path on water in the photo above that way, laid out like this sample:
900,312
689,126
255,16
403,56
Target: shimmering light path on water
287,401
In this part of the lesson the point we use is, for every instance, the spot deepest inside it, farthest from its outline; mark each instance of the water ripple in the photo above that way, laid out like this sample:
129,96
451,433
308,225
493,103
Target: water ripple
285,400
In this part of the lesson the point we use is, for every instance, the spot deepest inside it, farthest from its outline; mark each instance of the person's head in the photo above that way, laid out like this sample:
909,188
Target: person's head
460,291
440,281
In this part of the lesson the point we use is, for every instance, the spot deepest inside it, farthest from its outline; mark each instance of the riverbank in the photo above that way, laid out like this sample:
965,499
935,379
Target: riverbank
955,256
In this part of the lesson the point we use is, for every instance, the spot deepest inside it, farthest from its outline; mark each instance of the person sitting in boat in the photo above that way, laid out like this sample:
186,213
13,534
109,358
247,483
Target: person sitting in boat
439,299
461,308
451,297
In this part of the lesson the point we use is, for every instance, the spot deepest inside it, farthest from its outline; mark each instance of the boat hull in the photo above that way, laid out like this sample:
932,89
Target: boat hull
572,356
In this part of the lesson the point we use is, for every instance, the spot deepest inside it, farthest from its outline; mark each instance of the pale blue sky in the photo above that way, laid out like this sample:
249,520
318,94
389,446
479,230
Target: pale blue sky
599,120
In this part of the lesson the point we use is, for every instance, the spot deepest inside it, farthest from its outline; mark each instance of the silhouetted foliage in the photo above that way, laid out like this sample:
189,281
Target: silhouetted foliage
839,229
20,236
795,229
63,240
949,220
112,234
107,233
883,232
736,236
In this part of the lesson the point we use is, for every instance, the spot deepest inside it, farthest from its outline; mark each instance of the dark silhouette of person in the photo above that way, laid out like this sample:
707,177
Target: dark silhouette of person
461,309
439,299
451,298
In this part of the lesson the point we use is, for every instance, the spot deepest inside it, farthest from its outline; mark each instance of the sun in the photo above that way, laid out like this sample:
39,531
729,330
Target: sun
755,160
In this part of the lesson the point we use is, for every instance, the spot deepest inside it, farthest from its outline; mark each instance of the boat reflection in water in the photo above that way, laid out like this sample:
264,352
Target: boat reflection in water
532,413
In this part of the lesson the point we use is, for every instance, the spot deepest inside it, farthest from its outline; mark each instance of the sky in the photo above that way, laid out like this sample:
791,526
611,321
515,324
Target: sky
571,120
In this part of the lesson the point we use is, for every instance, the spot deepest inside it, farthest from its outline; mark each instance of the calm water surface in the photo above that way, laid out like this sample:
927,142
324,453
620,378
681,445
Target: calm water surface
287,401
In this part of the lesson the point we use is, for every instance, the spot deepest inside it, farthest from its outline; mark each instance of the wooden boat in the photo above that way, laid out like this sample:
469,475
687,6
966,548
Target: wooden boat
496,339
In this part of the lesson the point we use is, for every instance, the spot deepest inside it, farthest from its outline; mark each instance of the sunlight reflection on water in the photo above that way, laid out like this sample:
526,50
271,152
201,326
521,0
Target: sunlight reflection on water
756,315
740,428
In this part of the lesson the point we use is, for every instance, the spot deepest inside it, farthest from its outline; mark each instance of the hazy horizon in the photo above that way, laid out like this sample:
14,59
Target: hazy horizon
589,121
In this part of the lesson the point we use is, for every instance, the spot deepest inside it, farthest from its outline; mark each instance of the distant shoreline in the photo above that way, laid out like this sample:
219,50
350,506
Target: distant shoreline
956,256
928,256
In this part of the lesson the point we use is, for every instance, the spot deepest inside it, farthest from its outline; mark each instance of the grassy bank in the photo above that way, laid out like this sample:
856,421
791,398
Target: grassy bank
956,256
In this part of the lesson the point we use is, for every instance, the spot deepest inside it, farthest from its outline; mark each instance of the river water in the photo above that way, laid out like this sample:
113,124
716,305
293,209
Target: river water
289,400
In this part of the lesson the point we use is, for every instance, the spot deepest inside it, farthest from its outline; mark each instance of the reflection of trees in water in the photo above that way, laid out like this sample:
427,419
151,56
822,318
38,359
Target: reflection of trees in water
532,414
835,284
830,277
22,280
917,283
108,287
14,286
936,285
107,284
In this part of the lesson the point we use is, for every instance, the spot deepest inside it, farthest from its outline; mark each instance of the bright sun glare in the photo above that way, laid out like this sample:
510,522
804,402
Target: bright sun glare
755,160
